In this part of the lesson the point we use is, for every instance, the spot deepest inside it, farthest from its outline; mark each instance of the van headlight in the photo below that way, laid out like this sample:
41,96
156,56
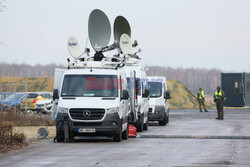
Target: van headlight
112,110
62,110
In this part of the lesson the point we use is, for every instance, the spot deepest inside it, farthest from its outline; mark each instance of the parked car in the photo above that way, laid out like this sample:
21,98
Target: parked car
44,106
12,100
4,95
33,98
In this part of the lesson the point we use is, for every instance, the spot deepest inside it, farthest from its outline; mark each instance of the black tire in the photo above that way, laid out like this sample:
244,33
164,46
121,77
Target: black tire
118,136
60,140
167,119
125,133
145,126
59,137
59,132
164,121
140,124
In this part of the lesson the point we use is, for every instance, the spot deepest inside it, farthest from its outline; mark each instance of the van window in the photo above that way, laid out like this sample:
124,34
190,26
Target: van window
90,86
155,89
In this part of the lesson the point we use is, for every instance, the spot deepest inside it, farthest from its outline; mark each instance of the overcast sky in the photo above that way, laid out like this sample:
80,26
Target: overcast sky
174,33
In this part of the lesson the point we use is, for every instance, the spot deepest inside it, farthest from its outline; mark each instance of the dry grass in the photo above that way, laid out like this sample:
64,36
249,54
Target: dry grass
9,139
25,119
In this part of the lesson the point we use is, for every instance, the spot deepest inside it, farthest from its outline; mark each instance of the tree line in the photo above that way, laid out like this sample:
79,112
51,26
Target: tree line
193,78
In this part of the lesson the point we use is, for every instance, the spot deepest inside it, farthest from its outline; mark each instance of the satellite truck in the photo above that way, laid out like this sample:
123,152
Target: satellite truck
91,97
158,102
136,75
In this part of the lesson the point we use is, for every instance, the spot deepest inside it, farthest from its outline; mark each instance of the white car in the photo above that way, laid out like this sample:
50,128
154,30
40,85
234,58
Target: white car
44,106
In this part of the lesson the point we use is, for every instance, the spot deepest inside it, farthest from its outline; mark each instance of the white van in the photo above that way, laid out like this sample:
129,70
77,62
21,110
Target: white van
91,101
158,102
138,82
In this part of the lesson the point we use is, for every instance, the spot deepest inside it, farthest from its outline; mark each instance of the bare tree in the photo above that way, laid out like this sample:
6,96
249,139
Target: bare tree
193,78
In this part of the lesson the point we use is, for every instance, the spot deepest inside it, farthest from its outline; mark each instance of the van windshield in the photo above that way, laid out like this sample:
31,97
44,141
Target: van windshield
90,86
155,89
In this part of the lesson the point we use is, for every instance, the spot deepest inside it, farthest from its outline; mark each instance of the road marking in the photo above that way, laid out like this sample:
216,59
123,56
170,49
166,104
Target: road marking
194,137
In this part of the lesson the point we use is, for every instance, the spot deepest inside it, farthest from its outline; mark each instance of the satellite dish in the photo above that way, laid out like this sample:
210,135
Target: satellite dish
73,47
42,133
125,44
99,30
121,26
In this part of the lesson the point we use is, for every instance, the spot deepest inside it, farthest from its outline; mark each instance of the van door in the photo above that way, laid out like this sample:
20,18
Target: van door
57,85
123,107
131,88
144,105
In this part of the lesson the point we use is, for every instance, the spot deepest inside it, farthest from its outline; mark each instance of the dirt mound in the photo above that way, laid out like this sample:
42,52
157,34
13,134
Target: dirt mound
181,97
34,84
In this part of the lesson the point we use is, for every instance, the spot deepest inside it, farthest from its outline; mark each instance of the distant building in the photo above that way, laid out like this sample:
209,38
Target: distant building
236,87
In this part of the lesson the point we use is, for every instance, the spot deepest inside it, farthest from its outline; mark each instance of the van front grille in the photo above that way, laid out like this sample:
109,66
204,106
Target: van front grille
86,113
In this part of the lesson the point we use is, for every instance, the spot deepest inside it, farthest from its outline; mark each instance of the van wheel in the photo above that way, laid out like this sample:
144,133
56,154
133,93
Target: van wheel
163,122
118,137
125,133
140,125
145,126
167,119
59,136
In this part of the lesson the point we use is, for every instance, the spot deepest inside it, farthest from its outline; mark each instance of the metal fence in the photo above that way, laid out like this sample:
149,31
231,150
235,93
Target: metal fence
12,95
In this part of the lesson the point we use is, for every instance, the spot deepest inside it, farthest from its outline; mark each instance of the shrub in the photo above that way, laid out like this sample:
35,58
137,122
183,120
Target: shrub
9,139
25,119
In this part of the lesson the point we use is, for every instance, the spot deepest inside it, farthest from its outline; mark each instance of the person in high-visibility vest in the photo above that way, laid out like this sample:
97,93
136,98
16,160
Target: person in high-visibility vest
201,99
219,100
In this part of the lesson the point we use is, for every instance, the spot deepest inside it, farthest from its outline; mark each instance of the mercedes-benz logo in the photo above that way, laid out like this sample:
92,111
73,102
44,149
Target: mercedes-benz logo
86,113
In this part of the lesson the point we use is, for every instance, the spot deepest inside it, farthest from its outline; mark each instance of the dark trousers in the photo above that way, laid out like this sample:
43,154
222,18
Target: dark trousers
220,111
202,103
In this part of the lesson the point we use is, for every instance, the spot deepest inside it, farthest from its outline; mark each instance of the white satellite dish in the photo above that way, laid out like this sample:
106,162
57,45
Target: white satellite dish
125,44
73,47
121,26
99,30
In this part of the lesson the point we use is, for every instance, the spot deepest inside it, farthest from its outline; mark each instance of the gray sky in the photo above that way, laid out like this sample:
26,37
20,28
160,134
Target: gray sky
175,33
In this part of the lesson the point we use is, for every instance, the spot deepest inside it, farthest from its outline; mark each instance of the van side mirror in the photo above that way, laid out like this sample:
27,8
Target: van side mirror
125,95
167,95
55,94
146,93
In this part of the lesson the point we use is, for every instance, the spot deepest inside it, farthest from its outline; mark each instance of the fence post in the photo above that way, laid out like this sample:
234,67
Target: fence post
14,97
26,94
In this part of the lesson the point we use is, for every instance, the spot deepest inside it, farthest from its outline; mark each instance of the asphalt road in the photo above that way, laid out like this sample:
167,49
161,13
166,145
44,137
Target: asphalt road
190,139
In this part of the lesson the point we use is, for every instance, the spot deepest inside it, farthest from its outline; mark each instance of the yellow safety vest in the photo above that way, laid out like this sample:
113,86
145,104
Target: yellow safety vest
201,94
217,94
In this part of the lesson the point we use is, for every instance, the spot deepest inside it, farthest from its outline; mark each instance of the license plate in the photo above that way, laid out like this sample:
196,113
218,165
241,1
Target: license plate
82,130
